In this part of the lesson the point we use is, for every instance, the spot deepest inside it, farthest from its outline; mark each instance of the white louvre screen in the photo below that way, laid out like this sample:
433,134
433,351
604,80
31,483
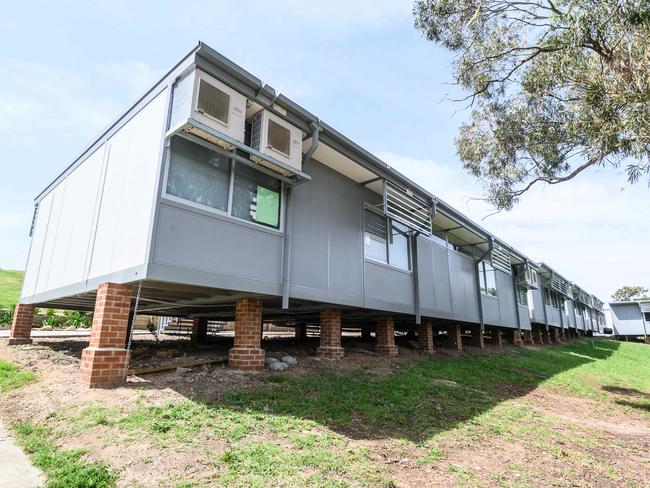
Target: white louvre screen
501,259
559,284
402,206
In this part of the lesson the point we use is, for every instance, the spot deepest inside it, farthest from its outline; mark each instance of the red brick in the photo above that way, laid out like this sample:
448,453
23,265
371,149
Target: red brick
425,336
247,353
385,332
105,361
454,338
21,326
478,337
330,335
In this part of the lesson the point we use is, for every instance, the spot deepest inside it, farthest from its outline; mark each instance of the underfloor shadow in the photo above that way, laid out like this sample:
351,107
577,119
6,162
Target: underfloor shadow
366,396
412,398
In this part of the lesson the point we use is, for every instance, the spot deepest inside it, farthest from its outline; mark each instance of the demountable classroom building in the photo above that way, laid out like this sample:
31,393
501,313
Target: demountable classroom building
215,197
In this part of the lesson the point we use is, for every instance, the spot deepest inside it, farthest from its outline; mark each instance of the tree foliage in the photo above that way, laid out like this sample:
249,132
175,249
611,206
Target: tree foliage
630,293
555,87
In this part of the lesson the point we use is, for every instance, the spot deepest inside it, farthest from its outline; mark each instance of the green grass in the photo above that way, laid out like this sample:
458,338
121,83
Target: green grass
11,376
301,431
10,284
64,468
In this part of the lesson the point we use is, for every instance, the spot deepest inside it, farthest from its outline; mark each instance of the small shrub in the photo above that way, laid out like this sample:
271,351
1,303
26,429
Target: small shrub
77,319
7,317
51,320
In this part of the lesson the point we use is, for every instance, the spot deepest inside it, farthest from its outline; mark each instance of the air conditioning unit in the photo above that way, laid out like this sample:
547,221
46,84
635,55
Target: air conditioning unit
526,276
274,137
206,100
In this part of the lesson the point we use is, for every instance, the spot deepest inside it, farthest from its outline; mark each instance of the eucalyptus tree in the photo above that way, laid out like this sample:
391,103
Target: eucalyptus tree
554,86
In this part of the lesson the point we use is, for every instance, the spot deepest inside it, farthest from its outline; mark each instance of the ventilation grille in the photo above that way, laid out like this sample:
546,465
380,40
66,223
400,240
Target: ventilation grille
411,210
213,102
279,138
501,259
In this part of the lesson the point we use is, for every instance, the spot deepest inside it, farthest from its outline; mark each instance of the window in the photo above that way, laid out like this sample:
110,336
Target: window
198,174
487,279
398,246
256,196
386,241
522,296
201,175
375,237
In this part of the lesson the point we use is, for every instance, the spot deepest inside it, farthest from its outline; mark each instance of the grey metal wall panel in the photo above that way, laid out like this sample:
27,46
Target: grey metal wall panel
537,309
553,316
507,310
327,238
524,317
192,240
388,288
571,312
491,310
465,303
426,276
441,279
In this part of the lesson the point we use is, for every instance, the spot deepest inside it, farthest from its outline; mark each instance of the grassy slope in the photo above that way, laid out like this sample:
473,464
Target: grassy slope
11,376
10,284
305,431
65,468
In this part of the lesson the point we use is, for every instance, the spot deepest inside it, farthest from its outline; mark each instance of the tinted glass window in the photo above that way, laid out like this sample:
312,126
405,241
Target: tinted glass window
198,174
256,196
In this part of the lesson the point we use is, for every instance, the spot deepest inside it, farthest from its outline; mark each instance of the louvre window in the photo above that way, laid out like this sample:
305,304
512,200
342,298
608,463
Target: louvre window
279,138
213,102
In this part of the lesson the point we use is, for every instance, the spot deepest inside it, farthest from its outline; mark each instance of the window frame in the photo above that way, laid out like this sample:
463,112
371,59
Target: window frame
222,213
389,226
483,272
522,292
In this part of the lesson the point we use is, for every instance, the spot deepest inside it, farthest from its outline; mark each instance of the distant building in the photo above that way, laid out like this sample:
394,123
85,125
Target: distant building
630,319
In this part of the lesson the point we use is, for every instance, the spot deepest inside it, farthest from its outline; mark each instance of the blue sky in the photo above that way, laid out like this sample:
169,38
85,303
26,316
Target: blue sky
70,67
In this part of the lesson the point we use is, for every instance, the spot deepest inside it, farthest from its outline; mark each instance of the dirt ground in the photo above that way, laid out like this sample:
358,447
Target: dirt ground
624,440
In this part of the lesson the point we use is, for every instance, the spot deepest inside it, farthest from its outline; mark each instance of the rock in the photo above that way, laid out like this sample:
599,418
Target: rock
278,366
269,361
289,360
183,370
46,327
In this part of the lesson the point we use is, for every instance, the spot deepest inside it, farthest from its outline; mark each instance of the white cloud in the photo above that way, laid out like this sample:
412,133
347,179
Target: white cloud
588,229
